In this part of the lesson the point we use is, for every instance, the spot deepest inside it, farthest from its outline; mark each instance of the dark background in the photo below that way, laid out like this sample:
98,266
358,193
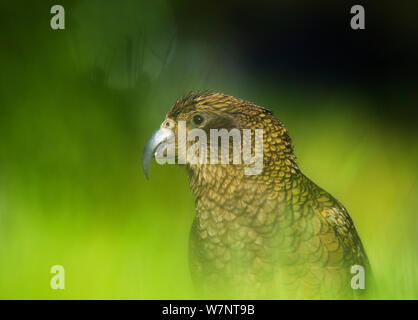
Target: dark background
312,42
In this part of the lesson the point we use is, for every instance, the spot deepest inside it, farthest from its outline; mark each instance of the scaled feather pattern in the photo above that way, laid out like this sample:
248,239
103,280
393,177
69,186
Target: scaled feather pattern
272,235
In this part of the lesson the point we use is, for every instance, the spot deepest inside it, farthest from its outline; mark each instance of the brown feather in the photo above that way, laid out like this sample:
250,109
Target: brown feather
276,234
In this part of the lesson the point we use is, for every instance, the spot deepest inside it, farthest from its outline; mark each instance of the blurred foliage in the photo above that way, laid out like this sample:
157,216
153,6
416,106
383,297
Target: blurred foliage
76,107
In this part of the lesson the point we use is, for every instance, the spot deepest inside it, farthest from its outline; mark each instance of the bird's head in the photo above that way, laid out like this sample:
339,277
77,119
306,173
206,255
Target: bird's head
202,114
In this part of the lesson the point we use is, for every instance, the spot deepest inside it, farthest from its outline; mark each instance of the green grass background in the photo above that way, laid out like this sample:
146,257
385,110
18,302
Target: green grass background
76,109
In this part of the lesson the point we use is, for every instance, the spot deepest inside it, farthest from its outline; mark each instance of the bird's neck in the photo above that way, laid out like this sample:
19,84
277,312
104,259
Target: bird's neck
219,182
224,192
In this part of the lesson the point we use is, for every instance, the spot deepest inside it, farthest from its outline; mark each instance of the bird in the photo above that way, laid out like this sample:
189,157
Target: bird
275,234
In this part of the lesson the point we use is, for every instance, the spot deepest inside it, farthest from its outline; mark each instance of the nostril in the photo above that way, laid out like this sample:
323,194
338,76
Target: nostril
167,124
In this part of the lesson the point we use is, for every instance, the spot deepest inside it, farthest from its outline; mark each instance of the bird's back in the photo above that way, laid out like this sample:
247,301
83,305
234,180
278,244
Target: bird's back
300,244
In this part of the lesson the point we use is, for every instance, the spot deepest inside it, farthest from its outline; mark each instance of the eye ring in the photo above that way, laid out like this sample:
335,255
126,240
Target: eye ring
198,119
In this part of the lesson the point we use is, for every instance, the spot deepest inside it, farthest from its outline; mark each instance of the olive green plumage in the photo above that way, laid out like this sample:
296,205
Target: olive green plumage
275,234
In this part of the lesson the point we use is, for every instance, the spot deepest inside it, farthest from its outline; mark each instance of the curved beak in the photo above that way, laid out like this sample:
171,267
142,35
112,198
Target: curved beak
158,137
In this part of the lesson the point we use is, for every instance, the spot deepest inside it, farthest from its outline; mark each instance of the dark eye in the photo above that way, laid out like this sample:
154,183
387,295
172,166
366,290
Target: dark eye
198,119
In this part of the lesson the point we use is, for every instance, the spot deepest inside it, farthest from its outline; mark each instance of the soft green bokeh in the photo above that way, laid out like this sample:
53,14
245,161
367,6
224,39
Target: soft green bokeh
76,109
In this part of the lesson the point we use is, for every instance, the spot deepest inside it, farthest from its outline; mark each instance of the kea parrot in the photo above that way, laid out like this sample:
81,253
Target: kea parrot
275,234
